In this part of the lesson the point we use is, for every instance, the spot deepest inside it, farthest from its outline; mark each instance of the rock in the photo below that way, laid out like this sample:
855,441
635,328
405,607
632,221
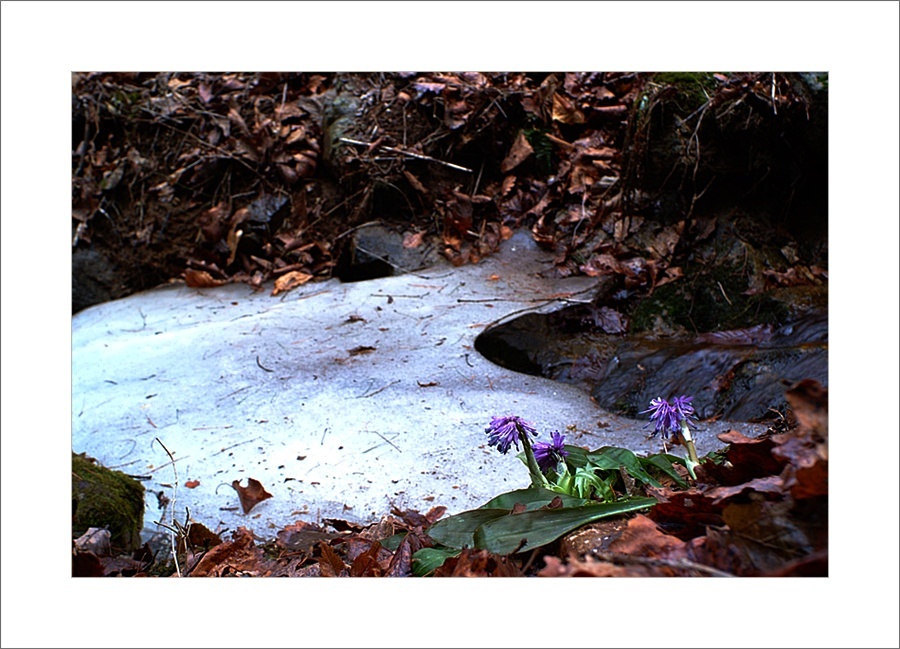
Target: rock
740,374
106,499
378,251
94,279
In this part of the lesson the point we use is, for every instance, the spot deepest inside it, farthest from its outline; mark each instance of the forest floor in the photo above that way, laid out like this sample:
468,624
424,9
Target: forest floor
264,179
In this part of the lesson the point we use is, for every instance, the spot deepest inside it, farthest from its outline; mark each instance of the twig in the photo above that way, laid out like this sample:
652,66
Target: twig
410,154
723,294
264,369
681,564
228,448
385,438
478,180
174,496
530,560
372,394
393,295
774,105
133,444
168,463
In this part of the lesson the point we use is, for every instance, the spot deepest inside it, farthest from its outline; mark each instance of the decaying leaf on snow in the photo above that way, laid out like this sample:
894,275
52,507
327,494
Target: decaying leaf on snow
251,495
290,280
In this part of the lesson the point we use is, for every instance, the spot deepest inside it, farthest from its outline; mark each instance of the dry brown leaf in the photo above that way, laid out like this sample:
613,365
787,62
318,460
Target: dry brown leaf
251,495
290,280
240,555
413,239
478,563
416,183
518,153
565,111
200,279
192,484
508,183
643,538
330,563
302,537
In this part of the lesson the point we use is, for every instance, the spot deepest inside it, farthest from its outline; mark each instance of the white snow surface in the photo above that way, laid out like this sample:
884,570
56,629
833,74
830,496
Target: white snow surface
343,399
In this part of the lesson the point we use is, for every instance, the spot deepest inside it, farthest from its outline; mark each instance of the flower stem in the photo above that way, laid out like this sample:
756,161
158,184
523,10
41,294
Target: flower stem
537,477
693,460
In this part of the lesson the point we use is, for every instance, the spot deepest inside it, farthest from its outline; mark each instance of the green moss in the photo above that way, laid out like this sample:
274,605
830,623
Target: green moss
694,87
712,300
543,149
106,499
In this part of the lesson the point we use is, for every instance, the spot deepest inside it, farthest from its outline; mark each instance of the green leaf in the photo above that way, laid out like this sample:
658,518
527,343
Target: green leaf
665,464
532,498
458,531
577,457
610,458
503,535
427,560
393,542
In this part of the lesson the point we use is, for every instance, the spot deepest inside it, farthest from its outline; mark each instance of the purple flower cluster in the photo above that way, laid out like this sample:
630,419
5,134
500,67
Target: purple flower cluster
549,455
668,416
506,431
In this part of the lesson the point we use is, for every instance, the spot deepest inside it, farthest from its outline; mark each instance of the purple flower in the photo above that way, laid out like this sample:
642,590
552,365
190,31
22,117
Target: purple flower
505,431
549,455
668,417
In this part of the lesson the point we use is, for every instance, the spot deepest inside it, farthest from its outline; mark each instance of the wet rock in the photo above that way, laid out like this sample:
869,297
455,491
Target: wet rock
738,374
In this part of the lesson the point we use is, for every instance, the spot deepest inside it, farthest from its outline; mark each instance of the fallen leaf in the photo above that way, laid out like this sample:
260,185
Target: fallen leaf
192,484
416,183
230,557
86,564
478,563
413,239
362,349
200,538
251,495
200,279
508,183
330,564
643,538
95,541
565,111
518,153
290,280
302,537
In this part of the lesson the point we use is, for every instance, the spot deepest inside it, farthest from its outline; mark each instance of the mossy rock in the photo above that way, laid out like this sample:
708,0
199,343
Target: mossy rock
107,499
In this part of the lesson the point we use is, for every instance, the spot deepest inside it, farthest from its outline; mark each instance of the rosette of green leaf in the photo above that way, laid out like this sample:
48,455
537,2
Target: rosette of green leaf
592,480
610,458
